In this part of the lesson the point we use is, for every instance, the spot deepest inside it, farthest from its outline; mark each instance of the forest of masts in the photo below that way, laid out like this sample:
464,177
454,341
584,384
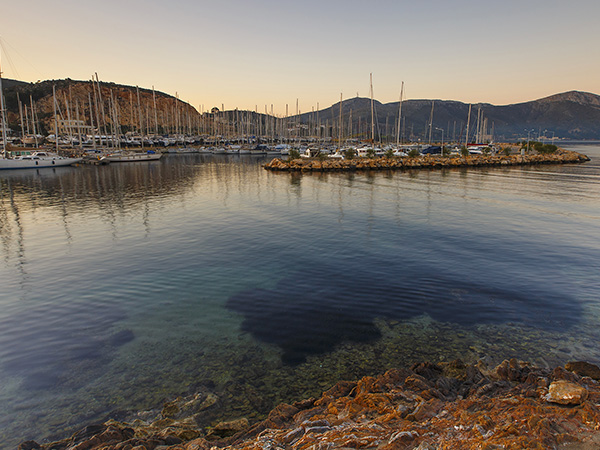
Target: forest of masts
111,114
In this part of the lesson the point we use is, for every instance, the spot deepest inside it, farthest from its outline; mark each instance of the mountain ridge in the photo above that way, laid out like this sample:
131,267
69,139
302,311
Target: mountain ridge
568,115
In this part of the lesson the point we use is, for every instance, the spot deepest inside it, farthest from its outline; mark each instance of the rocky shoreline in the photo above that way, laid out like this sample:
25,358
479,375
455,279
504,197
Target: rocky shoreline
429,406
561,156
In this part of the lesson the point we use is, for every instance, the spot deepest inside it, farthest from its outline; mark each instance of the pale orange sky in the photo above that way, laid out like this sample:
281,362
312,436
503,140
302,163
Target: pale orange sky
247,54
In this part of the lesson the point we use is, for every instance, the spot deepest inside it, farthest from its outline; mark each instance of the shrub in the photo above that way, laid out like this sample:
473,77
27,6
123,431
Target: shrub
371,153
506,150
389,153
413,153
294,154
349,153
547,149
464,151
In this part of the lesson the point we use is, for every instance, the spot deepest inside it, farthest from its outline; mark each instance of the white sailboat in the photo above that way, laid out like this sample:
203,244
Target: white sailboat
36,160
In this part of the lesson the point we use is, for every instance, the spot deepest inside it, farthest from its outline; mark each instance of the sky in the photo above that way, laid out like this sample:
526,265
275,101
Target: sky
249,54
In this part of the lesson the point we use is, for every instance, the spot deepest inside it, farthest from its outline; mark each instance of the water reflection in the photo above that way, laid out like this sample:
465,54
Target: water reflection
127,284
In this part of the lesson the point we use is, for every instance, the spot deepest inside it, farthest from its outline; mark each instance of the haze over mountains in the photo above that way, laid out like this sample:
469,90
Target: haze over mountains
569,115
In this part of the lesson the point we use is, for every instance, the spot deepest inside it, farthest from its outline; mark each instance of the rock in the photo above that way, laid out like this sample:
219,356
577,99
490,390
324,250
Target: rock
560,373
566,393
88,432
29,445
403,436
425,446
188,406
293,436
455,369
171,409
427,370
198,444
584,369
341,389
417,383
426,410
509,370
227,429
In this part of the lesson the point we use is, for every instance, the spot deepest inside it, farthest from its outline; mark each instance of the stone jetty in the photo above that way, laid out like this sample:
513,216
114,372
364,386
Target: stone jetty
430,406
561,156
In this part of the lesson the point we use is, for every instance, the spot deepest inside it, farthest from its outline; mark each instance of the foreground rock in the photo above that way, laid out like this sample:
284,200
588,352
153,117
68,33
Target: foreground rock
423,162
431,406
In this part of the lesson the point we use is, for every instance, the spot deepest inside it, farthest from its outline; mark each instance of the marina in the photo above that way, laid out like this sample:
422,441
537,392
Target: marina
129,285
233,226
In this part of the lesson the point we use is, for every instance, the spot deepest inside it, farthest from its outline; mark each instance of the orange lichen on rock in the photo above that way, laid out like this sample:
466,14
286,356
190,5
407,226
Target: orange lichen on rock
431,406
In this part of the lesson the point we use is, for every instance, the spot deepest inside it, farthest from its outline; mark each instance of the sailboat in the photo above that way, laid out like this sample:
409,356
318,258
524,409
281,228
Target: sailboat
36,160
370,150
119,156
338,153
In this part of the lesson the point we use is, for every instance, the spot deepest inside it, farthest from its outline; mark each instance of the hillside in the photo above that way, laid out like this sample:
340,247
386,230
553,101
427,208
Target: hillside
571,115
155,111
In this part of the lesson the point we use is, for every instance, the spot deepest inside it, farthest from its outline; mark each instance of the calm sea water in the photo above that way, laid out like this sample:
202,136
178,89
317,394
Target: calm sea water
127,285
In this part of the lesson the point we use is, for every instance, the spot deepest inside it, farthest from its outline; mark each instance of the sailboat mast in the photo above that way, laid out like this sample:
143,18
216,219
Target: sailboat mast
372,113
431,121
33,121
55,117
21,115
399,116
2,112
140,116
92,120
340,141
468,122
155,113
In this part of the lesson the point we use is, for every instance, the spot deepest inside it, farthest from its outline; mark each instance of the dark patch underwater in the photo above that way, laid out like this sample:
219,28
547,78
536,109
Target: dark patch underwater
311,313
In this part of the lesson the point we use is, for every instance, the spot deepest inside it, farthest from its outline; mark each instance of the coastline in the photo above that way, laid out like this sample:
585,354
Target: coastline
429,406
561,156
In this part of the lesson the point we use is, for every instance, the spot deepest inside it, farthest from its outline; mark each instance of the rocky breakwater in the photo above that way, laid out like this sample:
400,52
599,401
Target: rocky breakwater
422,162
429,406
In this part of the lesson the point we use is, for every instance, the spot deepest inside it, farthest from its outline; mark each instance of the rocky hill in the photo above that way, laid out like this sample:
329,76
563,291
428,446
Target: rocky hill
98,103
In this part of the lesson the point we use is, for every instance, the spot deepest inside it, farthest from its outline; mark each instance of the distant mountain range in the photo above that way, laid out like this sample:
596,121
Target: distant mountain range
570,115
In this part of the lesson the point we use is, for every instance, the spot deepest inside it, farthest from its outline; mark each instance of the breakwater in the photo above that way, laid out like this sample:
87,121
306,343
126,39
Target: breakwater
423,162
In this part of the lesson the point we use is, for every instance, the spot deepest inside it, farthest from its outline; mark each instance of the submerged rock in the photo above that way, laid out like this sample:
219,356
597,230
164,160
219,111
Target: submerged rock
226,429
432,406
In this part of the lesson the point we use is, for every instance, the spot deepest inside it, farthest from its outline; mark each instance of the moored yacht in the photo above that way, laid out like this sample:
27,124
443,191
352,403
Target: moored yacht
37,160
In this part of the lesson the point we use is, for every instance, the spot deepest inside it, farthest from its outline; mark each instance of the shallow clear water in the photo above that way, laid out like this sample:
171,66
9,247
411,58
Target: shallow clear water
127,285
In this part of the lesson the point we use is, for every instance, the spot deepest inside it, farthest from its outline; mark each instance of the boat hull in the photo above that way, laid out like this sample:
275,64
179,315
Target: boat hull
7,164
134,157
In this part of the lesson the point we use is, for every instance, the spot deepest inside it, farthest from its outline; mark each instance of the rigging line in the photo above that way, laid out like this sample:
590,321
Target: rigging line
4,44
